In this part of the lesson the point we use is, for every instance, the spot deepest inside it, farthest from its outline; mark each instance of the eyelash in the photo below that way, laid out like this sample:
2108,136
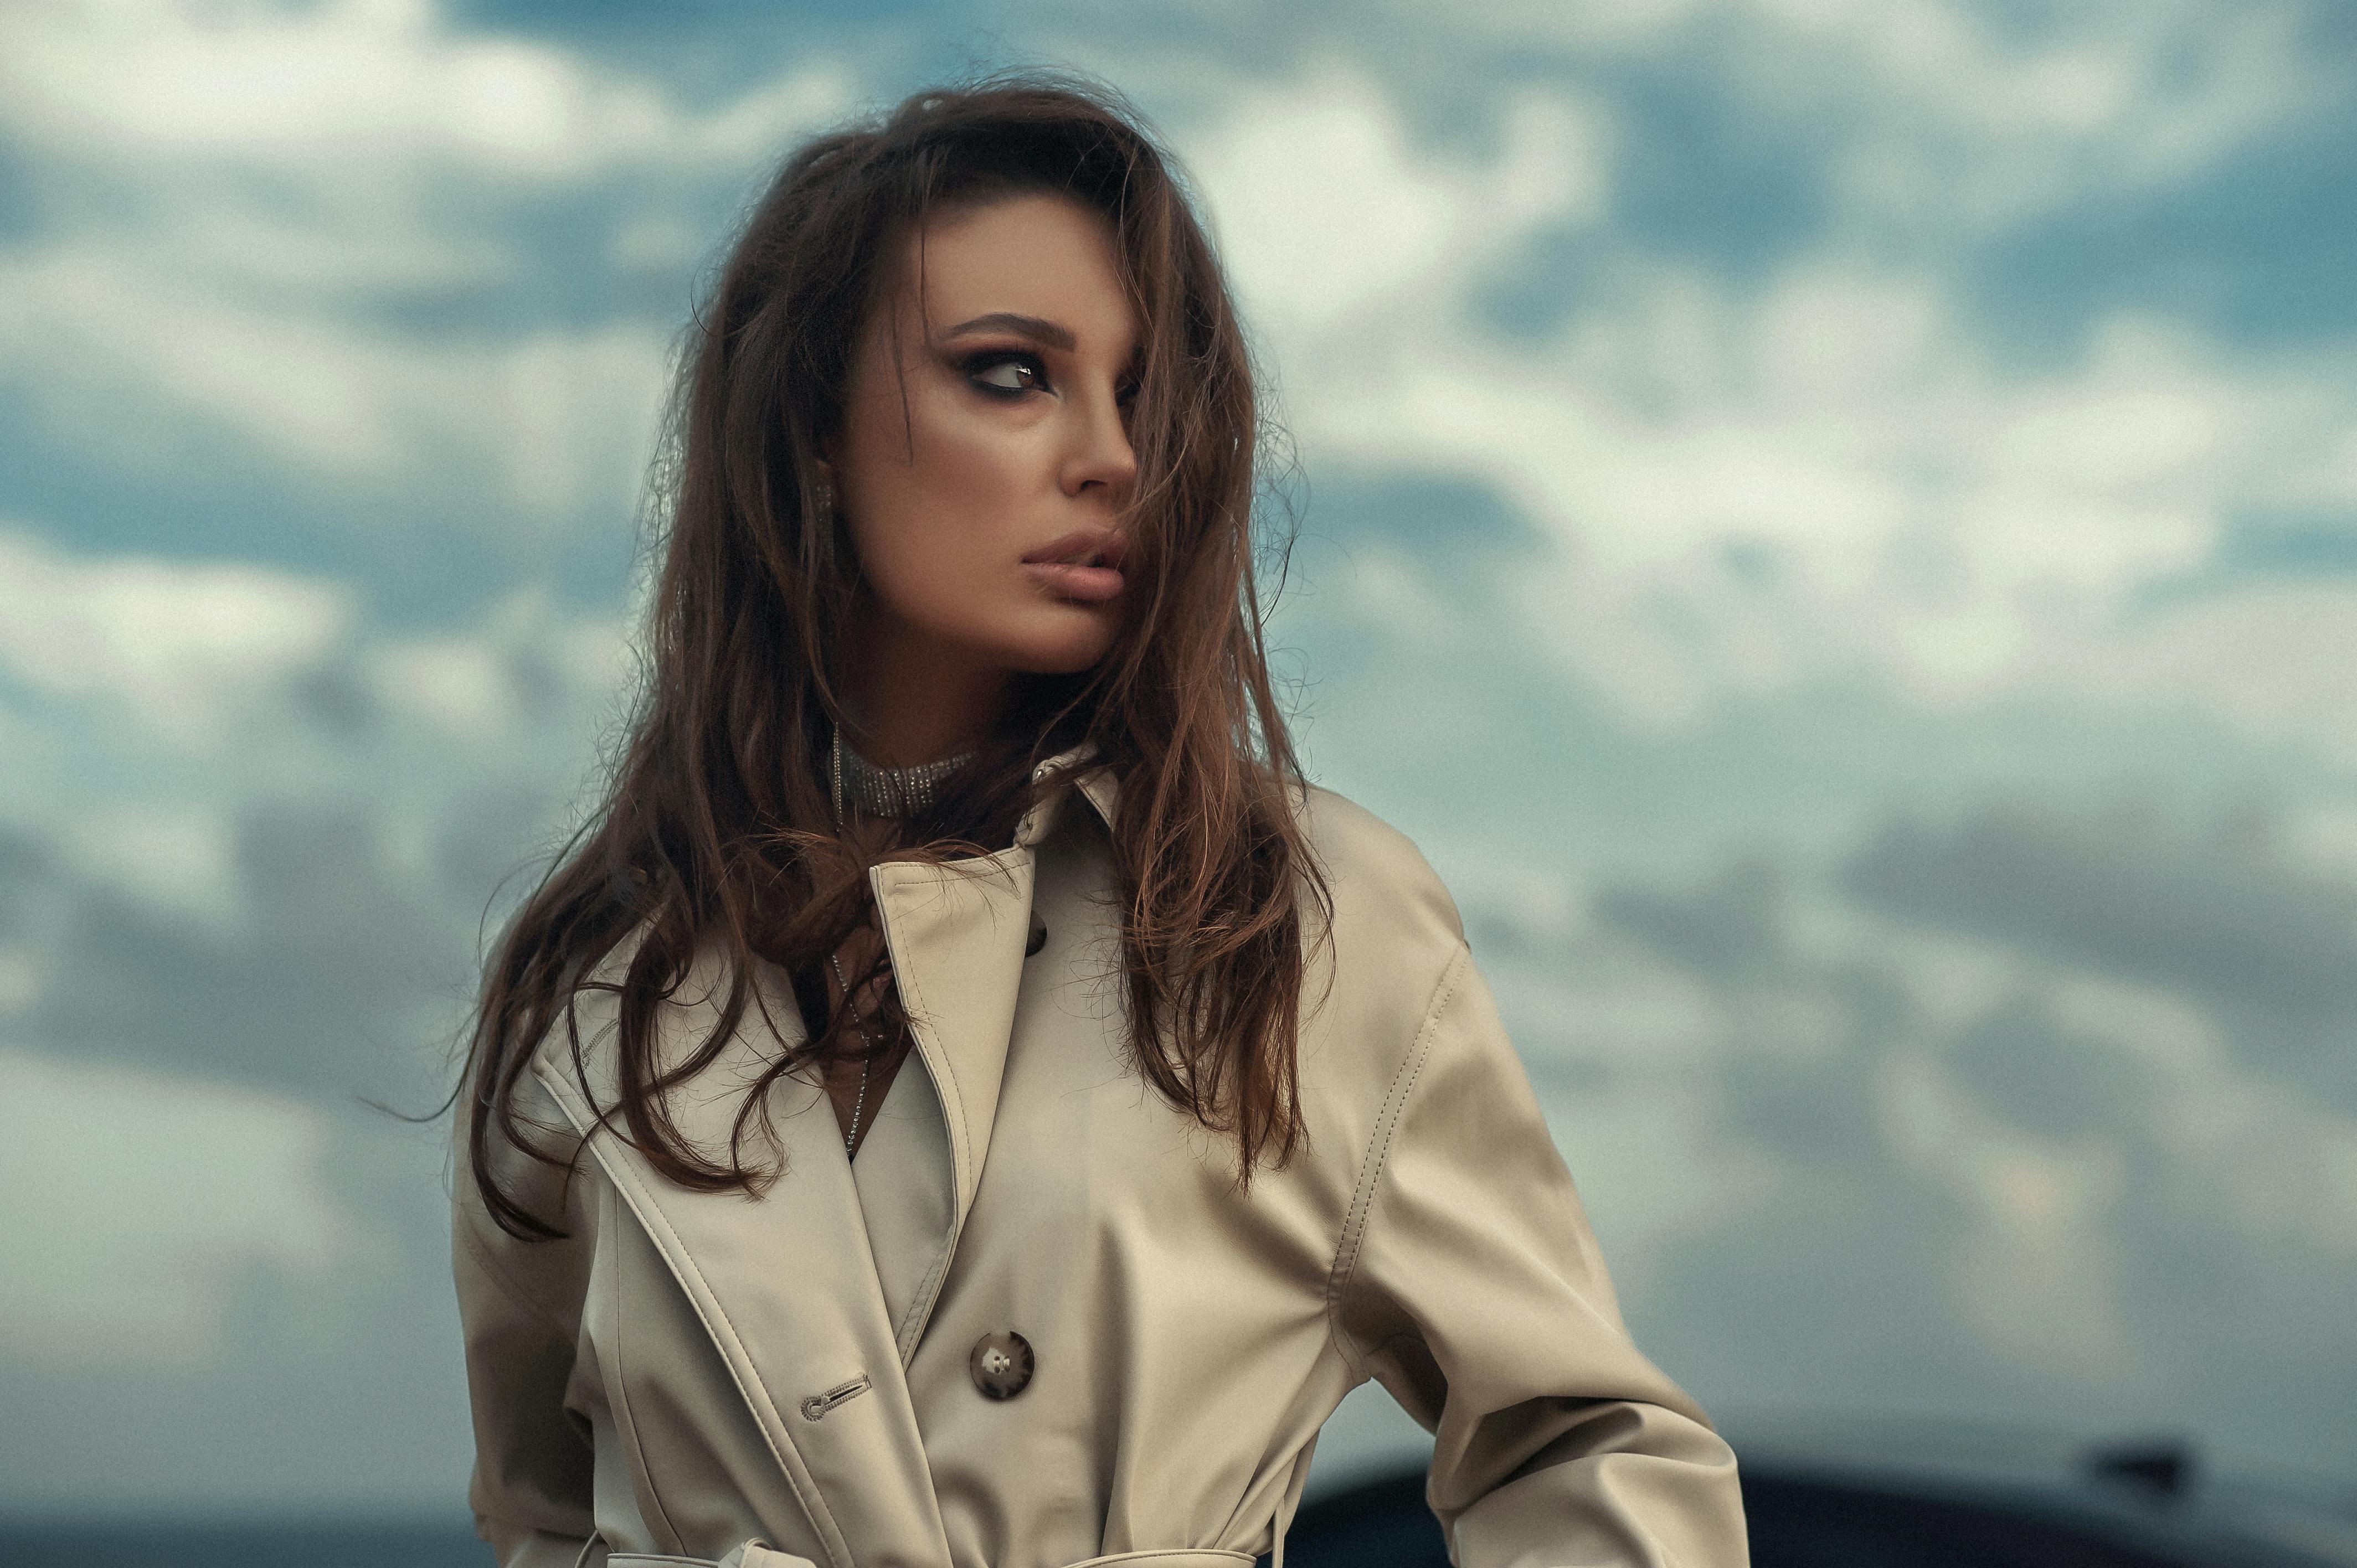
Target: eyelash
991,360
979,364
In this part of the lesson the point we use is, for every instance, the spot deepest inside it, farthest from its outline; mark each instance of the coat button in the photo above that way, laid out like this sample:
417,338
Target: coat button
1001,1364
1038,937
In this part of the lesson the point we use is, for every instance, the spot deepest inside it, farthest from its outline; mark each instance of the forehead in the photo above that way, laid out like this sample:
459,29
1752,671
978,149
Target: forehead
1033,254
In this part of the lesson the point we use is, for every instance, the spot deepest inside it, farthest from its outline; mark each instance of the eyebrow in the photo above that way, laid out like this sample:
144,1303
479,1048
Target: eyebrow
1030,327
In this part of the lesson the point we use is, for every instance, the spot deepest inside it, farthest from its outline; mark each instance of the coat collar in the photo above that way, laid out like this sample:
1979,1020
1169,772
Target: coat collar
1097,783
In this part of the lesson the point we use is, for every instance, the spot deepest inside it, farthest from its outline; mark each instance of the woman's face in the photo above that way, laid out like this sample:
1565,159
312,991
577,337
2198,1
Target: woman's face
1016,368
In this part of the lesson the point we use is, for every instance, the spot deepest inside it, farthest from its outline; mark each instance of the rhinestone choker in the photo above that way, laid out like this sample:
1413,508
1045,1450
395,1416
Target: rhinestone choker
895,792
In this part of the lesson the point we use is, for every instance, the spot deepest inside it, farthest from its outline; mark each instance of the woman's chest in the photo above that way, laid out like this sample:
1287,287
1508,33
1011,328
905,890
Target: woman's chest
1114,1316
1107,1312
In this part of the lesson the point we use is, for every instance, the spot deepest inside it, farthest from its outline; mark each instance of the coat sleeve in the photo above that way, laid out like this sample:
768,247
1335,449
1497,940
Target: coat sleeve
1470,1287
520,1310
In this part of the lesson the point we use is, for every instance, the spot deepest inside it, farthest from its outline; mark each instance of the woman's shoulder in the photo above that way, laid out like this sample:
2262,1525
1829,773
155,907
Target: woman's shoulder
584,1024
1387,898
1396,938
1369,997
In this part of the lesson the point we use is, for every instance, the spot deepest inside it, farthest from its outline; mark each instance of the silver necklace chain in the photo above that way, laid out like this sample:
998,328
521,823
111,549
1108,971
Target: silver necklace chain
866,1063
894,791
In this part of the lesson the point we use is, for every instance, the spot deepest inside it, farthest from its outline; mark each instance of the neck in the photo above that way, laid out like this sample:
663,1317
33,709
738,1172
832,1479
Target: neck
914,700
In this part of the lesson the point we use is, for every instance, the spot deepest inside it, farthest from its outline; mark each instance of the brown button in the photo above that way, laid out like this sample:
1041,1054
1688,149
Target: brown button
1038,937
1001,1364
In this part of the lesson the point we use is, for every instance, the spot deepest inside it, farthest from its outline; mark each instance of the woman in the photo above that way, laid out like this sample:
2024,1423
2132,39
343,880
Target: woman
902,1129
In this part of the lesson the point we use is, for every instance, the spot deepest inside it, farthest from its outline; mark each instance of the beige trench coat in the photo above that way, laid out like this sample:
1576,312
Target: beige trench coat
788,1381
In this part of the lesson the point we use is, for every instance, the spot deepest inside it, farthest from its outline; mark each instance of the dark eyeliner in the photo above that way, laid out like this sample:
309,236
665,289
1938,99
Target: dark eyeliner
973,365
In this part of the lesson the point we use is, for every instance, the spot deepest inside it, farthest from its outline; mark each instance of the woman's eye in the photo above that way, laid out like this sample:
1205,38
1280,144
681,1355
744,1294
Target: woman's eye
1010,375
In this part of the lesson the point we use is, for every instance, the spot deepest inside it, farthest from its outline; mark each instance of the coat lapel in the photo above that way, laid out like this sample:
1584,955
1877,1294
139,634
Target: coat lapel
957,934
784,1281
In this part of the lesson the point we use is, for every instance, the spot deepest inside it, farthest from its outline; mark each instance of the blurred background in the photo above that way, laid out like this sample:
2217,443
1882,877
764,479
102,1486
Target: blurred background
1832,522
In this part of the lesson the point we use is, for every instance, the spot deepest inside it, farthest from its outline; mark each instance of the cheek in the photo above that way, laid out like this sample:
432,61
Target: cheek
963,471
931,519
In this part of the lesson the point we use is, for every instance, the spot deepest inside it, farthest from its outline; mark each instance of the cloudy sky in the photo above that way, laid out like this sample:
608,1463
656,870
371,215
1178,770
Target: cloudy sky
1833,523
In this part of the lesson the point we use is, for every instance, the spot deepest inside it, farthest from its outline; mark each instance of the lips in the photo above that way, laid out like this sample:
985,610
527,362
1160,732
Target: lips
1084,566
1082,547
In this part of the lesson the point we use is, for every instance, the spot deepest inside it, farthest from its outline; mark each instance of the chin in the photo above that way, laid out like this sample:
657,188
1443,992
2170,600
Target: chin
1065,663
1078,649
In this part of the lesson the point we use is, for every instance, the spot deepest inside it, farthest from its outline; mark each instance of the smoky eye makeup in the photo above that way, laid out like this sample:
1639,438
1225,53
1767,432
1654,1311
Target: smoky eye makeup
1007,373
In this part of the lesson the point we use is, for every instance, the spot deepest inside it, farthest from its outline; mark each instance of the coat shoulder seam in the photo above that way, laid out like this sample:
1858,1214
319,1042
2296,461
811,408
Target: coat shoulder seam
618,1392
1378,1155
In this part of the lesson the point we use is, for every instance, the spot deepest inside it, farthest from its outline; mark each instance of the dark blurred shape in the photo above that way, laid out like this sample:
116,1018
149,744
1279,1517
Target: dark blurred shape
1383,1524
1802,1525
2164,1466
1890,1504
360,1541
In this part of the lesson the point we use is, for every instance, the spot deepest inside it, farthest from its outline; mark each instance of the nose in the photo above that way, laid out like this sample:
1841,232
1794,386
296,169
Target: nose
1101,454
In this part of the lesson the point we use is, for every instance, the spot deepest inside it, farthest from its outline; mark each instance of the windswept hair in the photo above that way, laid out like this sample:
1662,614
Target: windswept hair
713,828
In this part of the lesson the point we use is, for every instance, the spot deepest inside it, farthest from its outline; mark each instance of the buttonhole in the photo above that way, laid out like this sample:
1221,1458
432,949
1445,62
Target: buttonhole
818,1405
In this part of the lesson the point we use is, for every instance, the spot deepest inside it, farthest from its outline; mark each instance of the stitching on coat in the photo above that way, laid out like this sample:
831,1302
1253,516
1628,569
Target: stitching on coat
1378,1155
913,992
650,1214
1379,1141
811,1506
952,1096
620,1393
928,1291
913,995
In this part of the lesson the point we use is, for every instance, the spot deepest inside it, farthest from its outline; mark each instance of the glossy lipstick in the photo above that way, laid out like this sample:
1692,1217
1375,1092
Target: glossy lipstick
1063,566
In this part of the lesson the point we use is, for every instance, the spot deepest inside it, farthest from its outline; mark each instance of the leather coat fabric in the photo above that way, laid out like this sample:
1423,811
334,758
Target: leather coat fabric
789,1381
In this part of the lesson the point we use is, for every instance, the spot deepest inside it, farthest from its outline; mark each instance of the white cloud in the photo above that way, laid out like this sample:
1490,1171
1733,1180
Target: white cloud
1908,509
313,87
168,638
154,703
221,246
2036,1277
160,856
2277,658
1809,1076
1916,512
131,360
1332,221
490,681
103,345
1947,124
2324,834
1941,118
232,188
1653,1170
137,1204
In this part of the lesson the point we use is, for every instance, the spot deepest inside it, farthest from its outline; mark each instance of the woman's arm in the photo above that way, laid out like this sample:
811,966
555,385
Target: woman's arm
1470,1287
519,1307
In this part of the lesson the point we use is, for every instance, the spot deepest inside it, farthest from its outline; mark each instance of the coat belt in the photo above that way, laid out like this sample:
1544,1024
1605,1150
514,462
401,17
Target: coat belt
760,1554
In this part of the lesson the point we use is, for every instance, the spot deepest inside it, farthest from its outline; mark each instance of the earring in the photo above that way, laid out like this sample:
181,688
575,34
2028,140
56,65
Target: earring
825,499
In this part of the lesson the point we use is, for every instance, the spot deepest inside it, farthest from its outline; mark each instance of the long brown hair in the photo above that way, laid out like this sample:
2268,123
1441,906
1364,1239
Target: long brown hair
715,827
